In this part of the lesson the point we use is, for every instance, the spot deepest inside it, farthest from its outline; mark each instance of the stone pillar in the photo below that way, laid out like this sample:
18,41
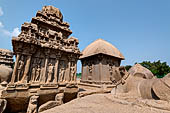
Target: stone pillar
100,71
68,73
75,76
45,69
15,68
56,71
82,70
26,70
100,67
67,76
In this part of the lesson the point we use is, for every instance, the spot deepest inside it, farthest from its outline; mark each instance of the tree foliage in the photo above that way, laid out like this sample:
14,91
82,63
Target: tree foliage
158,68
78,75
127,67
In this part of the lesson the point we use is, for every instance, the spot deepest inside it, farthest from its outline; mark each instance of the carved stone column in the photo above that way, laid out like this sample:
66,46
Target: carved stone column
15,68
75,76
45,69
26,70
67,77
100,71
69,65
56,69
100,67
47,52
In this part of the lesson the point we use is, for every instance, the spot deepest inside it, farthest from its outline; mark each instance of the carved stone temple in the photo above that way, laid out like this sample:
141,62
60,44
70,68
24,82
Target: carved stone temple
46,61
6,57
100,62
6,65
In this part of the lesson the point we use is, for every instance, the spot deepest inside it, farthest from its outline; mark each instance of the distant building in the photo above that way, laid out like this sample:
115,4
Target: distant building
99,61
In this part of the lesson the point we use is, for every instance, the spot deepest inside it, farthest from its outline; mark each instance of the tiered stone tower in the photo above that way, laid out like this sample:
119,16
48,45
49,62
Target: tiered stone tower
46,61
44,53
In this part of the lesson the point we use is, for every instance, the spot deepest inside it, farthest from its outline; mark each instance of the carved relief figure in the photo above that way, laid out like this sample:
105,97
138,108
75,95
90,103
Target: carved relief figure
90,70
38,71
72,72
90,67
62,71
50,72
20,68
33,73
111,70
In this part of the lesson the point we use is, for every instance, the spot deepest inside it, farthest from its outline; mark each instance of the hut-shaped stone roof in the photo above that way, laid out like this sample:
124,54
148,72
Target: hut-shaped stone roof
101,46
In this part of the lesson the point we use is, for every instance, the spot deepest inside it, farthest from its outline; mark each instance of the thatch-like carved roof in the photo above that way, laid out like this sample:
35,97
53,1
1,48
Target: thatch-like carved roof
101,46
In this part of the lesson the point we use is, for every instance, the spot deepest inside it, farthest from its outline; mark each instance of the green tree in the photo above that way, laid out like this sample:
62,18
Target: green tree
78,75
158,68
127,67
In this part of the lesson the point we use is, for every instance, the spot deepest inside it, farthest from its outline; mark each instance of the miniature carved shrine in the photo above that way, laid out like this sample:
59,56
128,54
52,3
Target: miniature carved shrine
46,61
6,57
100,63
6,65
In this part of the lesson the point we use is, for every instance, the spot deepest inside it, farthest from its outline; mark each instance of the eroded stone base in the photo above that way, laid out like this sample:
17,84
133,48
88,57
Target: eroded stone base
18,97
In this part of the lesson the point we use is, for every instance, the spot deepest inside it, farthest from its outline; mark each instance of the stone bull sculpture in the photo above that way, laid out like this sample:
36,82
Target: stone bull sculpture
5,74
140,82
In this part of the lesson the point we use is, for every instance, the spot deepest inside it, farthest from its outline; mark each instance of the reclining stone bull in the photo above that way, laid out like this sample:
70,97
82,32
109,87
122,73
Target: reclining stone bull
140,82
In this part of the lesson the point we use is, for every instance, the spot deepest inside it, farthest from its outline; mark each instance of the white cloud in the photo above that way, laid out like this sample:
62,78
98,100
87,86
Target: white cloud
7,33
1,12
15,31
1,25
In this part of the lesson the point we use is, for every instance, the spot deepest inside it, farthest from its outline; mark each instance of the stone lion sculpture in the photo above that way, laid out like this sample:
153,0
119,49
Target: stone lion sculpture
32,106
3,104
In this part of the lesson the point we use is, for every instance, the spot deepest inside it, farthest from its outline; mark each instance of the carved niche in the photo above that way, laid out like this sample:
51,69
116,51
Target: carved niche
20,68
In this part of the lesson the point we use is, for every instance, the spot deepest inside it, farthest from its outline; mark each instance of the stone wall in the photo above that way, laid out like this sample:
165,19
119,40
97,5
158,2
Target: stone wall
100,69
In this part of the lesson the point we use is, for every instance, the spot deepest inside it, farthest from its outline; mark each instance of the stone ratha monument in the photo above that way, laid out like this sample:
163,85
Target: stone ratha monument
46,62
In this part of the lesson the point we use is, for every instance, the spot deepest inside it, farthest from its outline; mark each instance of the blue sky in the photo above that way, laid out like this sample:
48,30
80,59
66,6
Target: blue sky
140,29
